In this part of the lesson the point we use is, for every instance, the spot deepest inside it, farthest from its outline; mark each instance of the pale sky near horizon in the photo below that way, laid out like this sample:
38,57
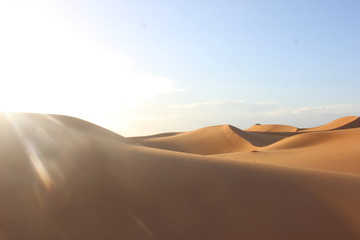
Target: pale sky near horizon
144,67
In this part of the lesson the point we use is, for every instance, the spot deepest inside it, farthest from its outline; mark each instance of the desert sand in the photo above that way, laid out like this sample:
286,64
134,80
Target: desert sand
65,178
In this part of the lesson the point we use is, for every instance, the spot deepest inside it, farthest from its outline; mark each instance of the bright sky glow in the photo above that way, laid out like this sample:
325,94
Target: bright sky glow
142,67
48,67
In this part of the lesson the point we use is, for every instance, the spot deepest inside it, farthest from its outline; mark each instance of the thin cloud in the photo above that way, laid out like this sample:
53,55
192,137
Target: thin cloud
207,103
322,109
267,103
327,109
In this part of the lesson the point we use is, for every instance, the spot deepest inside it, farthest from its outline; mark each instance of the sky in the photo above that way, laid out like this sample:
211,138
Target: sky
144,67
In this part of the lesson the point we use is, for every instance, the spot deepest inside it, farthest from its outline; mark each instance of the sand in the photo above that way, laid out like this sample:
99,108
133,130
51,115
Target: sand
209,140
341,123
65,178
272,128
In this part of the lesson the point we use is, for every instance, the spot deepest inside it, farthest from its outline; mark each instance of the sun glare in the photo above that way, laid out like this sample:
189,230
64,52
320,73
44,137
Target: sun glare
49,67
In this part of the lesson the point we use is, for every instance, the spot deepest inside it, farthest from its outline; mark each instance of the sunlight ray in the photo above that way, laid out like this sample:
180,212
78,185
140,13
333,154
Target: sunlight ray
33,154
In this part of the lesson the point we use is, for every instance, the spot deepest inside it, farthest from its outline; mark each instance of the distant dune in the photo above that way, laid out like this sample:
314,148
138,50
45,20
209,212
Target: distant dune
209,140
65,178
331,150
272,128
341,123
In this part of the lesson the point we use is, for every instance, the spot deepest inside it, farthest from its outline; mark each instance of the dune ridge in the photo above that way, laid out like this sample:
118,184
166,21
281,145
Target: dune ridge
314,139
331,150
209,140
272,128
67,122
341,123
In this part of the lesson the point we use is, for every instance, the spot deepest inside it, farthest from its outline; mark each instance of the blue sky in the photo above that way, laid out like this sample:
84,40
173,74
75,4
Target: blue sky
237,62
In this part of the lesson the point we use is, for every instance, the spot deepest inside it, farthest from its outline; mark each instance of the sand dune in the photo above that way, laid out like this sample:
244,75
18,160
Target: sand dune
341,123
66,122
209,140
332,151
272,128
346,137
72,181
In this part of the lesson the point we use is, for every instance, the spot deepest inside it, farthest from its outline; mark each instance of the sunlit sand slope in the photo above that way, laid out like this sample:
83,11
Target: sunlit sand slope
209,140
341,123
331,150
60,183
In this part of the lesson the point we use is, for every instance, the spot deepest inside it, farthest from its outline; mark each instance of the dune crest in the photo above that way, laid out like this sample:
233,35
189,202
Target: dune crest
272,128
65,122
313,139
209,140
332,150
341,123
